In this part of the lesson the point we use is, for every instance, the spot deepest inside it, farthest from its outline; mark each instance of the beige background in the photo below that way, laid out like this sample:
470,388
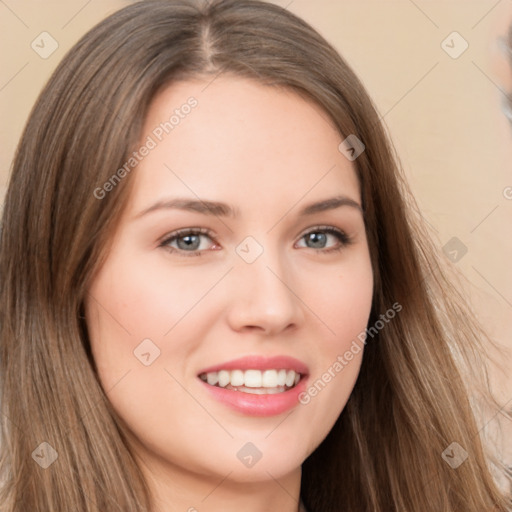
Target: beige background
443,112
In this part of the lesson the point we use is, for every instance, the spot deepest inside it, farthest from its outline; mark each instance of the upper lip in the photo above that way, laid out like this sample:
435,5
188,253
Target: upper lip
256,362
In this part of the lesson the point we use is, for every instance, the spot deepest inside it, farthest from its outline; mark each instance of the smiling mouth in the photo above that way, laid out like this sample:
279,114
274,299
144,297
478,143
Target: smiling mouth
256,382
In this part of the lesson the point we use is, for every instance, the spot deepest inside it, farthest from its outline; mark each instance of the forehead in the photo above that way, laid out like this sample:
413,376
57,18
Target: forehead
236,140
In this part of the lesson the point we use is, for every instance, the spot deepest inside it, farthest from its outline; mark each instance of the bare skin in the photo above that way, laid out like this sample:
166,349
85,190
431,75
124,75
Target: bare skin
267,153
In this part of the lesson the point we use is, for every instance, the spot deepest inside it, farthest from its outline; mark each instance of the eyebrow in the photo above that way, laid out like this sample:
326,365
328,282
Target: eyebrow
219,209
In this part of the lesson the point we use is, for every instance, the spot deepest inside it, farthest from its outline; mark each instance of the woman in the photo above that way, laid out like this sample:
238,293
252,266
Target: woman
312,356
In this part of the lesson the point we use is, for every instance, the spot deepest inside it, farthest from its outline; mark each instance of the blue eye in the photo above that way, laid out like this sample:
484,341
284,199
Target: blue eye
187,241
318,238
193,241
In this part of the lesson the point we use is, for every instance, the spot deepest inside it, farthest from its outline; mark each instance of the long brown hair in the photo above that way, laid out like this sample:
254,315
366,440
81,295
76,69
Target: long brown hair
411,400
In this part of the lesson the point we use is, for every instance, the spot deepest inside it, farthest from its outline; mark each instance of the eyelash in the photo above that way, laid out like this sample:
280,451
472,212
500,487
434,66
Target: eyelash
342,237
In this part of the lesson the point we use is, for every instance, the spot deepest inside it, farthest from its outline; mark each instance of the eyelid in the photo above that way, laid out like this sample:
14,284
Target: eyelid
342,236
185,231
166,239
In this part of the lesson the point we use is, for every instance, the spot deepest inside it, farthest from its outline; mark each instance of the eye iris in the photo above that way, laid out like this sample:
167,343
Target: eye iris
317,239
190,242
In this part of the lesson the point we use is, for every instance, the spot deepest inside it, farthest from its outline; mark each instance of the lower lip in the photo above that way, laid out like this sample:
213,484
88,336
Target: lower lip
258,405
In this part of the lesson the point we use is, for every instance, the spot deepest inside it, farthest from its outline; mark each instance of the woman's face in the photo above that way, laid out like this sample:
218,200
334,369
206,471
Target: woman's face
273,282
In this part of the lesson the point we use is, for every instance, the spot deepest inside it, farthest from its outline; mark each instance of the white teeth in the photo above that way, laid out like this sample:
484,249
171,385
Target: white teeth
224,378
268,381
252,378
290,378
237,378
212,378
281,377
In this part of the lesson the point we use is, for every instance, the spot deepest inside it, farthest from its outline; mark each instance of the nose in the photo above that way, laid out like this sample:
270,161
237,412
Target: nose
263,297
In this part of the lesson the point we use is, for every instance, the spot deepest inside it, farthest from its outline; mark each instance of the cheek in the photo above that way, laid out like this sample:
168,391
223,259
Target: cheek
124,311
130,302
342,304
129,310
350,303
152,313
341,301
